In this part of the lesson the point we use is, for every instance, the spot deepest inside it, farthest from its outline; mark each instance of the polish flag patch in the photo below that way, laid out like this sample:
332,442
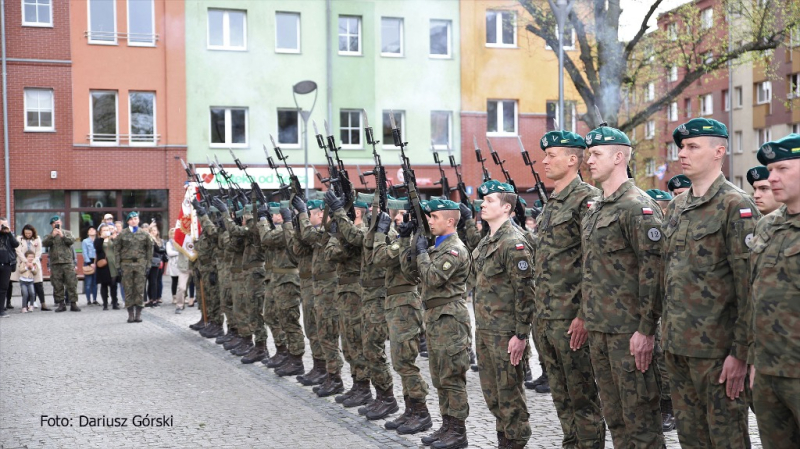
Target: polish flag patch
589,204
745,213
520,246
454,252
647,211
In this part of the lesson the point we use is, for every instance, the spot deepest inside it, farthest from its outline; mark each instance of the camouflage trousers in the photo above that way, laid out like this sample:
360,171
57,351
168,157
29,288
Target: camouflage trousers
310,317
449,335
405,325
503,386
209,292
269,313
327,313
661,364
65,282
225,300
133,281
287,305
777,400
630,398
239,308
572,385
350,327
374,333
705,416
255,288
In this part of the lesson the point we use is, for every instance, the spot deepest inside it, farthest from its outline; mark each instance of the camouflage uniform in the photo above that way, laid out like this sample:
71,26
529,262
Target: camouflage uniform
224,275
503,308
285,285
303,253
236,250
134,251
269,308
706,314
206,264
775,262
255,284
622,275
62,266
557,276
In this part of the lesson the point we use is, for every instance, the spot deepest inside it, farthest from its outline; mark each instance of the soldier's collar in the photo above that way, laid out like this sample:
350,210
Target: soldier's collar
693,201
624,187
566,191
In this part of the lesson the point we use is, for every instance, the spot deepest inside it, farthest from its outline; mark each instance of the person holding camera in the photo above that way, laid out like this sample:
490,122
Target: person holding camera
8,260
106,263
62,266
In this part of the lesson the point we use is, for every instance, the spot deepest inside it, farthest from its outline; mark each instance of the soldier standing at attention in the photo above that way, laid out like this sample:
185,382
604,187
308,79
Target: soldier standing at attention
62,267
503,309
134,250
557,274
679,184
707,318
443,271
775,262
210,326
762,191
622,273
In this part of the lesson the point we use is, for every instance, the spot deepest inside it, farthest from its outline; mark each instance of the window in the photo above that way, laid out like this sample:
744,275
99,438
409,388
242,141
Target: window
501,29
349,35
227,29
501,117
440,129
37,13
650,129
738,97
687,106
102,22
651,91
794,86
440,39
650,167
764,92
726,100
706,104
737,142
673,111
569,38
673,73
289,127
764,136
287,32
738,181
141,23
400,120
569,116
103,109
708,58
672,151
228,127
672,31
143,117
707,18
39,110
350,128
391,36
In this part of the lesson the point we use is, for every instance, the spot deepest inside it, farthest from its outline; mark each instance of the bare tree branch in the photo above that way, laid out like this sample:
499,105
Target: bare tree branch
642,29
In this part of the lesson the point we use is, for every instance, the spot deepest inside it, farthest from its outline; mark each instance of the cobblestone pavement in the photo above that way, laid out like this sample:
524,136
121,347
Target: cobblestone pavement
94,364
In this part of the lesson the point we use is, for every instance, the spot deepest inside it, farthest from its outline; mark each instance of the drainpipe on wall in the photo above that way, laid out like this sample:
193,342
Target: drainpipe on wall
329,60
6,150
731,132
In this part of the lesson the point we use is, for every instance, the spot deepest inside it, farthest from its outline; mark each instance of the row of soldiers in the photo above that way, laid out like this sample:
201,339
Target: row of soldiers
606,272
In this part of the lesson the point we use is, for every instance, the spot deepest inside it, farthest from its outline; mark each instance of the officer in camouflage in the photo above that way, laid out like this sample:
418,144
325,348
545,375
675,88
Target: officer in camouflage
224,278
133,249
762,191
775,263
622,273
255,287
62,267
210,326
503,309
234,252
706,314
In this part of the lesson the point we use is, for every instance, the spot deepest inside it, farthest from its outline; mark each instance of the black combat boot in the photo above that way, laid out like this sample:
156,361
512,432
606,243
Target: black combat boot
198,325
423,346
332,385
292,367
432,438
243,348
502,441
280,357
62,307
455,437
361,394
473,362
526,368
130,314
400,420
530,385
257,353
227,337
73,307
385,404
137,316
544,386
213,330
343,397
315,376
667,417
233,343
420,418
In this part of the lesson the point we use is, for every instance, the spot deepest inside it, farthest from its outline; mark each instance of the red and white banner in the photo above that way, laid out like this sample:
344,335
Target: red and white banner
187,229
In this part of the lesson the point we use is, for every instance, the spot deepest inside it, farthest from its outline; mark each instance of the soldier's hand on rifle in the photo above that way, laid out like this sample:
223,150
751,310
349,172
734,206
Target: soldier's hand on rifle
299,205
421,244
333,201
219,204
466,211
286,214
405,229
384,221
262,212
201,211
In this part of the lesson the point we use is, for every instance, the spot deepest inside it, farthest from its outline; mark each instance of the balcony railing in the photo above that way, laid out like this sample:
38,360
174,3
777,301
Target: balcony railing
111,37
132,139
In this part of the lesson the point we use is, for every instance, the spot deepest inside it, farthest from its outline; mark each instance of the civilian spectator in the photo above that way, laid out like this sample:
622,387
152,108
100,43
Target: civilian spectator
156,266
178,270
106,263
118,226
8,261
29,240
26,271
89,267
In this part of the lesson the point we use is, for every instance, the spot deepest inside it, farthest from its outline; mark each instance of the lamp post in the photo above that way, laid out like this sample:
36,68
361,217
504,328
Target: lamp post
303,88
561,9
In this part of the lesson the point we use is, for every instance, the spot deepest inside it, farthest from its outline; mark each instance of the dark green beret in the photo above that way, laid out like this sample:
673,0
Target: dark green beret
524,203
315,204
697,127
361,204
757,173
239,213
55,218
494,186
213,209
780,150
606,135
274,208
659,195
439,204
538,203
562,139
128,217
679,182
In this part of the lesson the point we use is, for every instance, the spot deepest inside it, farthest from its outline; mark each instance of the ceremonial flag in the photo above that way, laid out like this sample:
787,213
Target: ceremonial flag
187,229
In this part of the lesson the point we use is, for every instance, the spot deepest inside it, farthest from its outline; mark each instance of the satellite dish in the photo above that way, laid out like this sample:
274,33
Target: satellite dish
304,87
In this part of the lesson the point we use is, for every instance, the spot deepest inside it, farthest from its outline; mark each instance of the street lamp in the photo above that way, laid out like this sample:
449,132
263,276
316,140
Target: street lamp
304,88
561,9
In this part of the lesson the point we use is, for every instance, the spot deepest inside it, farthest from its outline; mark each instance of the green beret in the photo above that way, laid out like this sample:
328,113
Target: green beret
524,203
659,195
477,205
679,182
562,139
55,218
361,204
494,186
314,194
365,197
440,204
697,127
248,208
239,213
780,150
538,203
130,215
757,173
606,135
213,209
315,204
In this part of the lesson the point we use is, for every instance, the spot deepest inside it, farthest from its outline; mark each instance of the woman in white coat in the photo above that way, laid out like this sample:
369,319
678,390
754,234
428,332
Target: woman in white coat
178,270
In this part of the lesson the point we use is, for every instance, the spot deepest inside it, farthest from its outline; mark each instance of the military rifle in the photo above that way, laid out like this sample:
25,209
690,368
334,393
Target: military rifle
222,192
486,175
283,189
379,172
362,178
519,209
410,182
460,186
539,186
204,196
342,177
238,197
294,181
442,176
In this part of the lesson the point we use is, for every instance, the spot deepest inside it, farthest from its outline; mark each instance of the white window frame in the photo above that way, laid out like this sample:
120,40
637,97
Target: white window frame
650,167
763,135
707,18
39,129
706,104
360,37
226,31
289,145
48,24
153,26
738,143
672,151
738,180
566,47
140,143
115,142
358,127
672,31
673,73
738,96
229,127
794,86
402,36
651,91
449,130
764,86
299,44
500,116
687,106
499,29
672,113
89,25
650,129
726,100
449,54
400,120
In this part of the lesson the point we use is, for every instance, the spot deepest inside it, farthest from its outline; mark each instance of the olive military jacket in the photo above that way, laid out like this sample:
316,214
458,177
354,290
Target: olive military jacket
322,272
347,259
59,248
373,277
401,289
443,271
133,247
284,265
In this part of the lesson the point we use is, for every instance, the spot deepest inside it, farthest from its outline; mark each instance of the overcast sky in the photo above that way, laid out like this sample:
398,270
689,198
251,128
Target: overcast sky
633,11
